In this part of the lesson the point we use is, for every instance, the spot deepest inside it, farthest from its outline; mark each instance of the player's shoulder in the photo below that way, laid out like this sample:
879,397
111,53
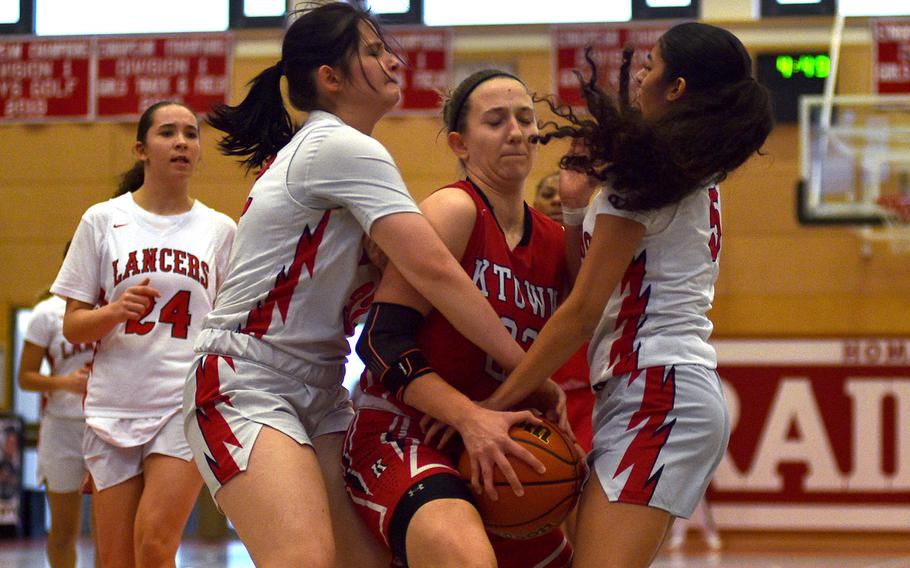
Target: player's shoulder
453,201
106,210
540,219
341,140
218,219
548,228
49,306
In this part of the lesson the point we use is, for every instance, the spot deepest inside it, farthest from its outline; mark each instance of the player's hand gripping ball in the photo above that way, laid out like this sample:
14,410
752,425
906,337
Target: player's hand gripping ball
548,497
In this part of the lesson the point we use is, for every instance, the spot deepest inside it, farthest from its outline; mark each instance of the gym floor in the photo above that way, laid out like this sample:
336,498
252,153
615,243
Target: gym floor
745,550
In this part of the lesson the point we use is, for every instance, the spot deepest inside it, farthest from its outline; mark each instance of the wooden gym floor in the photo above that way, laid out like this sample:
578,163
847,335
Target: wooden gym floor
741,550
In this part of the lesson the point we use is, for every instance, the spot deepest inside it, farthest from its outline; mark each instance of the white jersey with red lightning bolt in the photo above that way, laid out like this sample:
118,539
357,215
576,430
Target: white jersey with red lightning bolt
658,314
298,276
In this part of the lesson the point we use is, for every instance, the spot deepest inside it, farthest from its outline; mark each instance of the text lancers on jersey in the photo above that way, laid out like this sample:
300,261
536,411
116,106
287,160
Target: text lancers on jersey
68,349
163,260
491,277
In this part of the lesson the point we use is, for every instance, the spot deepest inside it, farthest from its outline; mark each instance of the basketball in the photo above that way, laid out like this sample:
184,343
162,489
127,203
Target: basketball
548,497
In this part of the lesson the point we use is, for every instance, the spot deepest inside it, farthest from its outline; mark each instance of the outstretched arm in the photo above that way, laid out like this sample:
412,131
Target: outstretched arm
451,214
614,242
426,273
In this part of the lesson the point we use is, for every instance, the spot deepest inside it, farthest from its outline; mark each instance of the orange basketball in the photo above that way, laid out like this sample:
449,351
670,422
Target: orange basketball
548,497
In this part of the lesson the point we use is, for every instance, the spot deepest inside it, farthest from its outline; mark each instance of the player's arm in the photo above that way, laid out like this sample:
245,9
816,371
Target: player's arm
30,377
388,345
575,191
614,242
415,246
574,236
84,323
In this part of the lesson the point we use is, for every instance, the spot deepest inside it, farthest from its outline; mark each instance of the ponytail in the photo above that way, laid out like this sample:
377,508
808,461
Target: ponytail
131,180
325,33
259,126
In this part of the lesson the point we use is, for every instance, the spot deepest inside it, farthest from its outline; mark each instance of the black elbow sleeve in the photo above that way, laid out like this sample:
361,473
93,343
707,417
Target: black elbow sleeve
388,346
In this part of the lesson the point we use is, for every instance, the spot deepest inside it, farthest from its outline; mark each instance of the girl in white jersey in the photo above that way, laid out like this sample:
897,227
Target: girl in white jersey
652,239
60,462
140,276
266,413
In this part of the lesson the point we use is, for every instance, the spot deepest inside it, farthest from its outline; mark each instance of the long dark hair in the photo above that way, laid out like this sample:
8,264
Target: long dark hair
260,126
722,118
133,178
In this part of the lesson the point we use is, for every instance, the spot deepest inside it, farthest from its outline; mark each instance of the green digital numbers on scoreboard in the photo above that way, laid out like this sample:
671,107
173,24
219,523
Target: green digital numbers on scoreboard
788,75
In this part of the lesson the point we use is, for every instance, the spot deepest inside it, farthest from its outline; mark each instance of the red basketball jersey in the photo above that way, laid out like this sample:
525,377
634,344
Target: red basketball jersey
524,286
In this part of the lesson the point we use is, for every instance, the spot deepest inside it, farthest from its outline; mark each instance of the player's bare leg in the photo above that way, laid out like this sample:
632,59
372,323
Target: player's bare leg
354,544
66,517
452,525
171,488
279,505
114,511
570,525
616,535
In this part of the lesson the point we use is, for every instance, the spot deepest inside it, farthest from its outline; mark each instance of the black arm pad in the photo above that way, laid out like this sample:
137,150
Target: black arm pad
388,346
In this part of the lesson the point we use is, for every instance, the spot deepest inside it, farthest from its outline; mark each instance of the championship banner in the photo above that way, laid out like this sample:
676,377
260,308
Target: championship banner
607,43
891,56
820,435
427,68
134,72
43,80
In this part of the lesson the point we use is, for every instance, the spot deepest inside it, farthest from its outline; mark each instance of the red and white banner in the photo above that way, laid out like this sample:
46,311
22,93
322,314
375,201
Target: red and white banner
135,72
891,56
111,77
607,43
45,79
427,69
820,435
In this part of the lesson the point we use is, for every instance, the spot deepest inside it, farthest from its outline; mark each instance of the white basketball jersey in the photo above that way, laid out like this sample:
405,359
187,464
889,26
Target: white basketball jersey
298,277
658,313
45,329
141,365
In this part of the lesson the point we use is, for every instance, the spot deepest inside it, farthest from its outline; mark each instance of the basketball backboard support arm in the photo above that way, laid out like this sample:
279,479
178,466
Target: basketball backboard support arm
854,150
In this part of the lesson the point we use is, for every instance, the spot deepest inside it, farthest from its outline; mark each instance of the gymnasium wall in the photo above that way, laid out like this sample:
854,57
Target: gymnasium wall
777,278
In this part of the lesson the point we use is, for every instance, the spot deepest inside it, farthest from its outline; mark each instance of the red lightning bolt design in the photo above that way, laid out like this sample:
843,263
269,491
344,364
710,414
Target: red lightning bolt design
623,353
260,317
714,215
215,430
641,455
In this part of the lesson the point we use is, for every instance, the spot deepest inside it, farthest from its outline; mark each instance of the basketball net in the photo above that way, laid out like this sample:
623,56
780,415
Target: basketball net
896,222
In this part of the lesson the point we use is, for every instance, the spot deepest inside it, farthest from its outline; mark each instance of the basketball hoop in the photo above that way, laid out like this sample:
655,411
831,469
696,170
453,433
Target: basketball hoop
896,222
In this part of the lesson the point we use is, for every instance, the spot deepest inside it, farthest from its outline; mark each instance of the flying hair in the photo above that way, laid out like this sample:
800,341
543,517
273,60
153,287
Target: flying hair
720,121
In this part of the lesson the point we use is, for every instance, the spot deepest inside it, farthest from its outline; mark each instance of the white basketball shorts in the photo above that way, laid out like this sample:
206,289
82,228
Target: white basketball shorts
227,400
61,466
659,434
110,464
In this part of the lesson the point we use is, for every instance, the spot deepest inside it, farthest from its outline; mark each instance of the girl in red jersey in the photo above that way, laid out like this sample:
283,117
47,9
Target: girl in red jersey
265,409
408,491
652,238
140,275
